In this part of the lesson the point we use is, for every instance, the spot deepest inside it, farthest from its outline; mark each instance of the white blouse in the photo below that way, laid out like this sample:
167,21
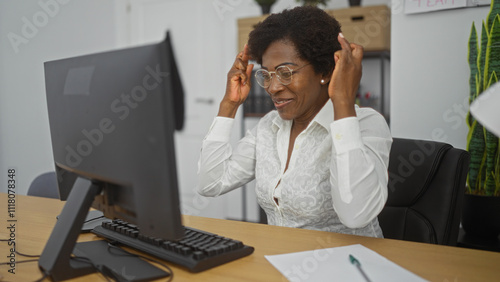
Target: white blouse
336,178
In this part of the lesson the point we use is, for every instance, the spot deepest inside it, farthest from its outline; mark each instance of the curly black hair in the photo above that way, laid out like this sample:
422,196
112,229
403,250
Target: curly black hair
311,30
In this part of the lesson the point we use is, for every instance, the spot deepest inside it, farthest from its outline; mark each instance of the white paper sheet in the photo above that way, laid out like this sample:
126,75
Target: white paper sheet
333,264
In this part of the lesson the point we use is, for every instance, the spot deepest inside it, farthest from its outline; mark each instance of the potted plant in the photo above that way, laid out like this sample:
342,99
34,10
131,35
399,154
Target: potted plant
313,2
265,5
481,209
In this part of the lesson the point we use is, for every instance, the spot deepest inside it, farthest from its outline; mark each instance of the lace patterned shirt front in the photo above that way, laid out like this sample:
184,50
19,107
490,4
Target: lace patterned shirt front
336,179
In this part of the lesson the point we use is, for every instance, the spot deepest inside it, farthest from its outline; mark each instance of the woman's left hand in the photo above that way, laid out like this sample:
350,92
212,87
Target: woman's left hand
345,78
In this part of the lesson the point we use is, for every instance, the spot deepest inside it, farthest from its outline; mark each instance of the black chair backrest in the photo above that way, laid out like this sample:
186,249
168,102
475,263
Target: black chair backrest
425,192
44,185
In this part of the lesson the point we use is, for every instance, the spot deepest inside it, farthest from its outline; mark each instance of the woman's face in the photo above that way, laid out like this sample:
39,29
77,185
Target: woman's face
302,99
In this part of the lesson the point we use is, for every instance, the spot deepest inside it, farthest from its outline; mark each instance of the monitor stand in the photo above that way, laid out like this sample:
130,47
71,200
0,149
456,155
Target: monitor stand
56,260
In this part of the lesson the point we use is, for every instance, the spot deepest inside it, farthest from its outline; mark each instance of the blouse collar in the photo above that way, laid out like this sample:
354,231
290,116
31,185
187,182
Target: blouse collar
323,118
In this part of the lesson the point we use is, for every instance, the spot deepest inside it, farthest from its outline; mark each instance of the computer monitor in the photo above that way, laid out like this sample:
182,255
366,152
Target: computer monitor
112,118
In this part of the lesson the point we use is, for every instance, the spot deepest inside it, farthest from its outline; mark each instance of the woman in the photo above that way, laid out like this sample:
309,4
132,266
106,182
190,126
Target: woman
320,162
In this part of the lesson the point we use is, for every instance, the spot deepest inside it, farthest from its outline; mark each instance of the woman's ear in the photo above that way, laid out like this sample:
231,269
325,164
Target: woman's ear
325,79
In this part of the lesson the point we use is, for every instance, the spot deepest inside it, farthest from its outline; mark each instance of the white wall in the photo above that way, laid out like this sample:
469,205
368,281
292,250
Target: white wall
430,73
40,32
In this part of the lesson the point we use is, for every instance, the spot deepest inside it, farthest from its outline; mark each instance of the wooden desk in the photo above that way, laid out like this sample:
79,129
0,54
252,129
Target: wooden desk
37,216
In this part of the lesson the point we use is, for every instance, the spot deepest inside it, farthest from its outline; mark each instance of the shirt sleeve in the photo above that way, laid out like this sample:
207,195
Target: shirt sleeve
360,158
221,170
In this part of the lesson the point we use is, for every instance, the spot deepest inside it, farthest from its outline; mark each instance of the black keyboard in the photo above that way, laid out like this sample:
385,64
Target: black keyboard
197,250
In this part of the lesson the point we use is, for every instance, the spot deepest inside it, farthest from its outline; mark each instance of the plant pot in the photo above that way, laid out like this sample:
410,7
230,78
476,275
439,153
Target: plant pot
354,3
266,8
481,217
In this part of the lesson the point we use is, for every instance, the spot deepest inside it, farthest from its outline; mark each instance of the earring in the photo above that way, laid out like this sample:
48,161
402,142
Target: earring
322,81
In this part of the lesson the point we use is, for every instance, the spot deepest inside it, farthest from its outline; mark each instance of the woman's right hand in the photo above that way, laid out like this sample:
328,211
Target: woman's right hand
238,85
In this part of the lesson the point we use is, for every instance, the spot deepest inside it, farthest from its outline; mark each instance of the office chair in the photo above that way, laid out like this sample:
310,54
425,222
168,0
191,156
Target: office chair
425,192
44,185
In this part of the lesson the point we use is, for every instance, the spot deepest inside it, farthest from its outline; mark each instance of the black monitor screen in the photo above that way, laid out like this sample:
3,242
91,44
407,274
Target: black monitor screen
112,119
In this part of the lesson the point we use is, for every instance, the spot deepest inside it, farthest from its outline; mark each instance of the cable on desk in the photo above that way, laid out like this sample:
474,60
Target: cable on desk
104,272
45,275
89,220
25,255
22,261
95,218
112,246
17,252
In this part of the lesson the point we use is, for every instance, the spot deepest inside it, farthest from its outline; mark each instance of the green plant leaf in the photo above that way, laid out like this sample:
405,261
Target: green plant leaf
493,79
494,10
491,151
492,60
473,65
478,83
481,58
476,148
491,155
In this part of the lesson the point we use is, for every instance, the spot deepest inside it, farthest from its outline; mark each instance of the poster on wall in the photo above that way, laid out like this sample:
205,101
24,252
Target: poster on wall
423,6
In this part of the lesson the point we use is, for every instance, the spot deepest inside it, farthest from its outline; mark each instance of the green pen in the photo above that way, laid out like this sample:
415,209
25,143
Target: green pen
358,266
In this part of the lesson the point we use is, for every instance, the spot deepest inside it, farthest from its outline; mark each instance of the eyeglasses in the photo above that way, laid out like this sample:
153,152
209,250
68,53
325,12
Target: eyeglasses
282,73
